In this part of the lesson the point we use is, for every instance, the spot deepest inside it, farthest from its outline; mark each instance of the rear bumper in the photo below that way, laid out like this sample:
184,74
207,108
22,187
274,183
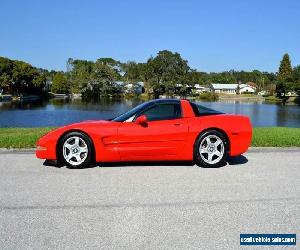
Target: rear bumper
240,142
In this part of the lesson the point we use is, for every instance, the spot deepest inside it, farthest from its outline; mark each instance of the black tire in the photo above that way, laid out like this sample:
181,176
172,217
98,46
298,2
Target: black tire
200,159
73,163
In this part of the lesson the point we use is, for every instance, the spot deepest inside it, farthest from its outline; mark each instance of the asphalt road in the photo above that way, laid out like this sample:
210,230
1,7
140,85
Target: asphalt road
153,206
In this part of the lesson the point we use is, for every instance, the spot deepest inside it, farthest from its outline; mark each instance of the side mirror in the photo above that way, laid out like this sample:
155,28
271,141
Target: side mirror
141,120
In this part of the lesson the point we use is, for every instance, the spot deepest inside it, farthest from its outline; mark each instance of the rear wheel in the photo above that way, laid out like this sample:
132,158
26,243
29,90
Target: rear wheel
75,150
210,149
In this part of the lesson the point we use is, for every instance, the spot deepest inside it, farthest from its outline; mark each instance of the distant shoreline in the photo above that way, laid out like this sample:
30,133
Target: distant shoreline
201,97
242,98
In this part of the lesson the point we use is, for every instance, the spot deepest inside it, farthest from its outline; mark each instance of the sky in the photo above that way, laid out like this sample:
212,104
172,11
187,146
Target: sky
212,35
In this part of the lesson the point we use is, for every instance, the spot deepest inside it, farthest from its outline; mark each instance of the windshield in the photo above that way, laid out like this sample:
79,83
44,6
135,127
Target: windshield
200,110
130,113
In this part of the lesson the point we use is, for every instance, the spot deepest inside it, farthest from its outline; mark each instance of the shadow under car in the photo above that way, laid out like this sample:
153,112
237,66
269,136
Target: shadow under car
236,160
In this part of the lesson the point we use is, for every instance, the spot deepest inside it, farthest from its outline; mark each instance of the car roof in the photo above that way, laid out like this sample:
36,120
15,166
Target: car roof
165,101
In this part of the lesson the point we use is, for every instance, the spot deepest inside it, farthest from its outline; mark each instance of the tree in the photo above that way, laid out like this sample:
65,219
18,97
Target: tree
79,72
224,77
284,77
285,69
17,77
60,84
5,82
39,81
100,83
296,79
113,64
165,71
194,77
296,74
134,72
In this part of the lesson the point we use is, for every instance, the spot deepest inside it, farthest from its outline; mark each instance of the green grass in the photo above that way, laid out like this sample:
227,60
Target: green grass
276,137
208,96
272,99
262,137
20,137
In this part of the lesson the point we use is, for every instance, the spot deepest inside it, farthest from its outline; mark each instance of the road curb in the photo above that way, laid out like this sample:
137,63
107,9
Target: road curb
272,149
17,150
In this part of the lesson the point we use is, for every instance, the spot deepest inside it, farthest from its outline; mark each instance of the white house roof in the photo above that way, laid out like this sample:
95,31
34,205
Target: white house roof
224,86
246,85
198,86
120,83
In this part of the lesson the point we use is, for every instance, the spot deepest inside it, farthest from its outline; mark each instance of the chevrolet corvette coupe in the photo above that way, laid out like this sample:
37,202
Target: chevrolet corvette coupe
158,130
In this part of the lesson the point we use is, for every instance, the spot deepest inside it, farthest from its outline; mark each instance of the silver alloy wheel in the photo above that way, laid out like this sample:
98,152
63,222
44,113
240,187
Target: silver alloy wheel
75,150
211,149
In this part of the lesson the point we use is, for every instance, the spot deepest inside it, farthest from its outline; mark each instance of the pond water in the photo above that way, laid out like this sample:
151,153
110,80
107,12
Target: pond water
60,112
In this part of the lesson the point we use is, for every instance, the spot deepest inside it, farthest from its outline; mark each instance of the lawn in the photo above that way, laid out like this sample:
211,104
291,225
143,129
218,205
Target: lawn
262,137
276,137
20,137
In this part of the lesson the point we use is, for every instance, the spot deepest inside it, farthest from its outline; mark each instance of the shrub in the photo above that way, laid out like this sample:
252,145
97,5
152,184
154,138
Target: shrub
209,96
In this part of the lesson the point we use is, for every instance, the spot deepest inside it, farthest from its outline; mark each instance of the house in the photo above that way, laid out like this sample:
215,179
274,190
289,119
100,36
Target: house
245,88
252,84
262,93
134,88
179,88
120,86
198,89
232,88
291,93
224,88
130,87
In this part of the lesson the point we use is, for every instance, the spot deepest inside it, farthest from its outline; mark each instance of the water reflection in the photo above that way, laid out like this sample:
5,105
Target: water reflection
59,112
262,114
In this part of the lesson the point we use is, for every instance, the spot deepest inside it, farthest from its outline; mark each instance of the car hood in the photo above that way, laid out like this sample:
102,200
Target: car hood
89,122
57,132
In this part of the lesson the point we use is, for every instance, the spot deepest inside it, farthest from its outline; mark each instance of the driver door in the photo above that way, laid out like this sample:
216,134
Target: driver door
162,137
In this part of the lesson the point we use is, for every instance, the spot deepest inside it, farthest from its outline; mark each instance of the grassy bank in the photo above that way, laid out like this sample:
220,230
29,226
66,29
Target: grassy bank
20,137
262,137
276,137
274,99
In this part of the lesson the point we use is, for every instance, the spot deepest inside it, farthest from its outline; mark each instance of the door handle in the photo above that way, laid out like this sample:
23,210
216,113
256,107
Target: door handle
177,124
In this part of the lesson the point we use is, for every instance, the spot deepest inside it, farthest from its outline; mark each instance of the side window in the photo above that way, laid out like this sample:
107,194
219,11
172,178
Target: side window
200,110
164,111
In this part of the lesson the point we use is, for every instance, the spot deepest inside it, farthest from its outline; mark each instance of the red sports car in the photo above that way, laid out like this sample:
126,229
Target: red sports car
158,130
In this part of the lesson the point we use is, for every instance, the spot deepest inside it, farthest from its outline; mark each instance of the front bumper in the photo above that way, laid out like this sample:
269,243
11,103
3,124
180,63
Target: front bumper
46,148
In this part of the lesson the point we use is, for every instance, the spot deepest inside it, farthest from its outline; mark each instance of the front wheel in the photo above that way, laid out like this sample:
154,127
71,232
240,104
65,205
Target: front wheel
210,149
75,150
